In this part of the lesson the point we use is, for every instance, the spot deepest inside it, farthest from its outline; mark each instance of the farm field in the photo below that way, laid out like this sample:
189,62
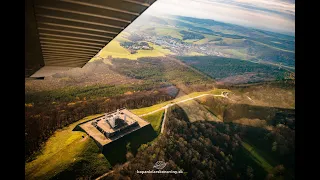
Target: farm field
178,67
114,50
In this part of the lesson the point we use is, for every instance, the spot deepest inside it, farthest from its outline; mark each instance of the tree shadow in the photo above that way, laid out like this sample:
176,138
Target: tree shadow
115,152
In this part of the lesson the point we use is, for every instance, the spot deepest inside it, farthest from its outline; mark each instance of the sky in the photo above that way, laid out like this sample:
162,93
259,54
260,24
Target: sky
271,15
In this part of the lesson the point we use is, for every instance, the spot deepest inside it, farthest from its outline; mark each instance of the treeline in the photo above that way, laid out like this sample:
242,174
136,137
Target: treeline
239,32
190,35
43,118
195,148
158,70
142,69
200,29
202,150
72,93
47,111
220,67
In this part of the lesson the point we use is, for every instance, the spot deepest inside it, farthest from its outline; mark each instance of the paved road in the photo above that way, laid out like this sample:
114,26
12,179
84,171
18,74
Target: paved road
164,119
165,108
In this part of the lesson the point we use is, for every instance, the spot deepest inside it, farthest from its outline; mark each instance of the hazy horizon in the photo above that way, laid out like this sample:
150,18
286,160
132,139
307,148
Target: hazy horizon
270,15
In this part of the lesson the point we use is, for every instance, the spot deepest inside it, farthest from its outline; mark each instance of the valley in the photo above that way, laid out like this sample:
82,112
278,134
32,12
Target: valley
184,36
220,99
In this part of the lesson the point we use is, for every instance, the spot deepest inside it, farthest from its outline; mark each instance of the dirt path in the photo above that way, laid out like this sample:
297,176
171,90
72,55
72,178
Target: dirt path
168,105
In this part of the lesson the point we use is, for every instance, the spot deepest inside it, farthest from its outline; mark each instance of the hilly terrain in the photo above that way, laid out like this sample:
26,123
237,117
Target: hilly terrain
184,36
250,141
244,128
247,134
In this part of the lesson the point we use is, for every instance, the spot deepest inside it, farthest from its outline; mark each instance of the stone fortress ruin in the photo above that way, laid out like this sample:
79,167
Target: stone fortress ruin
112,126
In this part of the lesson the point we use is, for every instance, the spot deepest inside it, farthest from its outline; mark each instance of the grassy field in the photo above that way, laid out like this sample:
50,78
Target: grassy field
65,149
273,47
156,120
276,95
208,38
196,112
231,41
122,38
194,94
190,40
221,68
237,53
160,49
218,39
115,50
169,32
72,154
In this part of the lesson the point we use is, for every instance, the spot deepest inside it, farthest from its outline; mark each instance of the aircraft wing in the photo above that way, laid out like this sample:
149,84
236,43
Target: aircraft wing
63,34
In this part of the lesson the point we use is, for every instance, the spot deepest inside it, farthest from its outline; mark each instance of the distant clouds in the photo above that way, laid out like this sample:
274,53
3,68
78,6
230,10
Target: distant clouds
272,15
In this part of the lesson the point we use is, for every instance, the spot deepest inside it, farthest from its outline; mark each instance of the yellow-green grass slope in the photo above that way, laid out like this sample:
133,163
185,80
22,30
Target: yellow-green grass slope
155,119
65,149
168,31
115,50
207,39
197,112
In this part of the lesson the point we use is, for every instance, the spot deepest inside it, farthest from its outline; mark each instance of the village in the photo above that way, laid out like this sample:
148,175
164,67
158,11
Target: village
181,48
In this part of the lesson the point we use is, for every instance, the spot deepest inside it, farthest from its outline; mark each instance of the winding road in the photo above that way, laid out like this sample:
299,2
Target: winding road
165,108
